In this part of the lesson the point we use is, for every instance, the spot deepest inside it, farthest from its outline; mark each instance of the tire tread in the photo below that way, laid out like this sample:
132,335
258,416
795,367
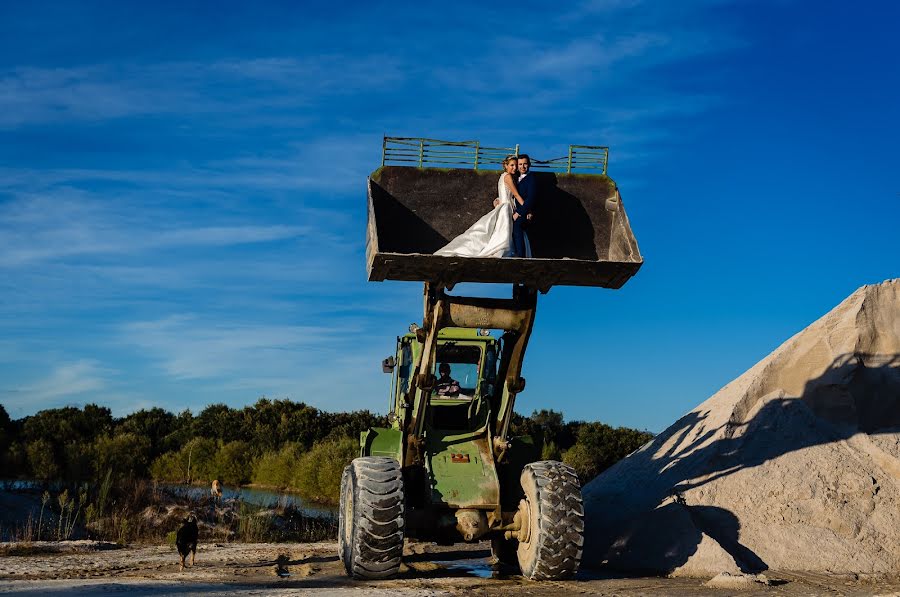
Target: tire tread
377,531
560,532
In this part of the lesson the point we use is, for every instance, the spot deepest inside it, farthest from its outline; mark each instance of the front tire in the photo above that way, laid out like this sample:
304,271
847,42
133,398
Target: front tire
371,524
556,521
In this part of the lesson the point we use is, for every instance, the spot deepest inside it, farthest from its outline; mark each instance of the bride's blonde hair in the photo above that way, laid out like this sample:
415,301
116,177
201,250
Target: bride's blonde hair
508,159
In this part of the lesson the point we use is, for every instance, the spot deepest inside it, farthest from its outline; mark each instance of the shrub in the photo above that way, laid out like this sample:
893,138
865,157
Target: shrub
600,446
195,461
550,451
14,462
42,459
126,455
232,463
318,474
168,468
277,468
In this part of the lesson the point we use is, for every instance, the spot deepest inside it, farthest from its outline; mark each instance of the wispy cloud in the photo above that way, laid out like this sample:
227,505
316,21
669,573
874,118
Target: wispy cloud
66,380
36,95
189,347
40,228
311,363
333,162
195,347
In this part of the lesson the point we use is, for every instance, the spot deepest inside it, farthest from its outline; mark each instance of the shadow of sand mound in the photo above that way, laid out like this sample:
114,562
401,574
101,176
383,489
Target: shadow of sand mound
793,465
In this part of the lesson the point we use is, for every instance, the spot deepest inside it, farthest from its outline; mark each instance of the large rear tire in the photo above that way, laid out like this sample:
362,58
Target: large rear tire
556,521
371,524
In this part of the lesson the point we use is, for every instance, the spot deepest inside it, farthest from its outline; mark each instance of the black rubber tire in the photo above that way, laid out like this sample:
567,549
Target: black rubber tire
371,523
556,515
504,552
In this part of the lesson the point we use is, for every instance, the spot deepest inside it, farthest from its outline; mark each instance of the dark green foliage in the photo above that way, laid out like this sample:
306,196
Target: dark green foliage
42,460
270,424
72,444
78,460
278,443
160,427
220,422
195,461
6,429
57,440
62,425
277,468
232,463
14,460
318,474
127,455
600,446
590,448
315,474
12,453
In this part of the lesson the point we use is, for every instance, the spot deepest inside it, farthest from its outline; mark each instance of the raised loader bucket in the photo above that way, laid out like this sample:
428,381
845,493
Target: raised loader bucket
580,235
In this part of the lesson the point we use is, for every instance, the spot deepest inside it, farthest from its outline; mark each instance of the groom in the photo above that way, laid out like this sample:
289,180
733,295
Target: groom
527,187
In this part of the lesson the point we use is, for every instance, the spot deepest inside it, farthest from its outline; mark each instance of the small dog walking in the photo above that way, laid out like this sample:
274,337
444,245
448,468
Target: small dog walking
186,540
216,491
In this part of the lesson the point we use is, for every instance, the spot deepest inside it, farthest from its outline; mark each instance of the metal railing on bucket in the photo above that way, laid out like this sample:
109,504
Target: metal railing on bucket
417,152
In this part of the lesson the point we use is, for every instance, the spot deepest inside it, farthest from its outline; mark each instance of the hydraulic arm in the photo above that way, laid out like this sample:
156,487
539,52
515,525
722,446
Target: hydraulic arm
515,316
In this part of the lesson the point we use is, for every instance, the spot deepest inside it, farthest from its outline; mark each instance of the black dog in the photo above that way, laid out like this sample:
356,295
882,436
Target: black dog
186,539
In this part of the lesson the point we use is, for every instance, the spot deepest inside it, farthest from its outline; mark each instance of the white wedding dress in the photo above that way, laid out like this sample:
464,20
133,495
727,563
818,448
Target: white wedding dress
491,235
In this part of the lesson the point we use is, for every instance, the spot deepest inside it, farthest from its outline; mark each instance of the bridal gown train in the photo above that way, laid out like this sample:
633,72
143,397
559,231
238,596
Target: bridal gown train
491,235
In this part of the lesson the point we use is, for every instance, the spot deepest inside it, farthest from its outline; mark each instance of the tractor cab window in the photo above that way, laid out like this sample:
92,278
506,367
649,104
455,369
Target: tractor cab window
461,380
404,368
490,370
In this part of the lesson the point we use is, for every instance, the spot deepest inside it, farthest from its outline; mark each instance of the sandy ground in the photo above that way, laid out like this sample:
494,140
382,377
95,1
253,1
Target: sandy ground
300,568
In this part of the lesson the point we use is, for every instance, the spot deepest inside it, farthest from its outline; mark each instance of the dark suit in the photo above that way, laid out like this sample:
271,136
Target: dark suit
528,190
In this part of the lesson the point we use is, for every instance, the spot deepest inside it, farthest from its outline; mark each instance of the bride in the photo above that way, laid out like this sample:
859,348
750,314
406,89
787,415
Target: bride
491,235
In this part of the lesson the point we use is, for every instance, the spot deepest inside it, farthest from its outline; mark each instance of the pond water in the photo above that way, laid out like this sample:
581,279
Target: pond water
259,497
25,484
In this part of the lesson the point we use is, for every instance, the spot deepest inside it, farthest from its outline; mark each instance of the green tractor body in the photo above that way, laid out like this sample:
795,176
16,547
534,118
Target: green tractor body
447,469
459,471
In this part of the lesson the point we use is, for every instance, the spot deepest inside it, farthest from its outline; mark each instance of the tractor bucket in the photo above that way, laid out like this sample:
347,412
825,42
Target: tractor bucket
580,235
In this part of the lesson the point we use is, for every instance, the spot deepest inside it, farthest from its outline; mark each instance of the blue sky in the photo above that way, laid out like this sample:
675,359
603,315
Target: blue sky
182,189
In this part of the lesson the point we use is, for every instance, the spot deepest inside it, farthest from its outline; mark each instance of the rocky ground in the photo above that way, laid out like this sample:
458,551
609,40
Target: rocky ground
296,568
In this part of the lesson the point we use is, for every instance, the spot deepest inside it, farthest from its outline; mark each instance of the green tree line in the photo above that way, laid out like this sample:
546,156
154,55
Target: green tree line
277,443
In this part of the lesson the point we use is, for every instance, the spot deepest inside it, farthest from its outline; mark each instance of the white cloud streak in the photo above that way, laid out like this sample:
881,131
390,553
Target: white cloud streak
34,95
66,380
42,228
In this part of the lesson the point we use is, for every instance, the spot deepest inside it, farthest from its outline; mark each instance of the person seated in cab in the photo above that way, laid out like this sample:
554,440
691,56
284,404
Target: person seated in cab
446,385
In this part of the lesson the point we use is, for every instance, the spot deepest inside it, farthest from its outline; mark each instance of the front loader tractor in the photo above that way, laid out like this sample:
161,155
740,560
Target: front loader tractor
447,469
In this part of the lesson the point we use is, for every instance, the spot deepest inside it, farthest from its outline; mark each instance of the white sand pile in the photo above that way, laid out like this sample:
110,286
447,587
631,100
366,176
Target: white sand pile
795,465
739,582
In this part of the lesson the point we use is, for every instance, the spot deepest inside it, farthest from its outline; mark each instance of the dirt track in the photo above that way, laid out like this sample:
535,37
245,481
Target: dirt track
275,569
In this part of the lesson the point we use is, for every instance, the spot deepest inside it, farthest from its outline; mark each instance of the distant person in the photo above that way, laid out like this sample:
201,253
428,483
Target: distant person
527,186
492,234
446,385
